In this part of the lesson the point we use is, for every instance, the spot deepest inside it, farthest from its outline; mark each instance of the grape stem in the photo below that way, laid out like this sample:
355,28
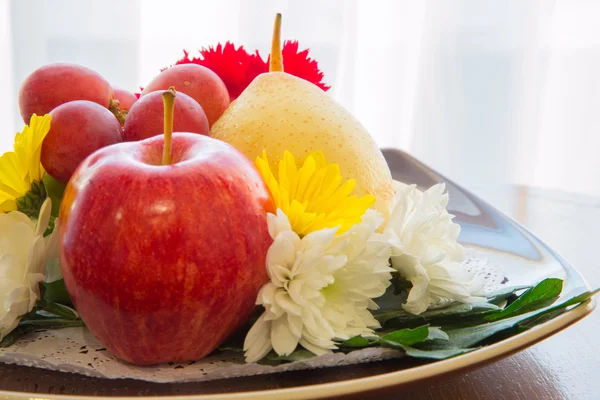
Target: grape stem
169,108
115,108
276,63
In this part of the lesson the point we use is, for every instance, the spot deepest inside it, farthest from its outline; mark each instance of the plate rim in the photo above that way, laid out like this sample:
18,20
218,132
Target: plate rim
477,358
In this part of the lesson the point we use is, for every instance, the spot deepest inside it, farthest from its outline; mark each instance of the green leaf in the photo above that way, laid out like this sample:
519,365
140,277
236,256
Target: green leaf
16,334
31,325
460,309
438,354
541,295
59,310
437,334
52,323
385,316
470,336
56,292
432,345
503,294
296,355
406,337
426,342
356,342
32,201
236,349
580,298
55,191
553,311
51,226
435,317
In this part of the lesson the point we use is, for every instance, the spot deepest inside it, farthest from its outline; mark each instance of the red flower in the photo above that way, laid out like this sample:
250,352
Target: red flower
237,68
301,65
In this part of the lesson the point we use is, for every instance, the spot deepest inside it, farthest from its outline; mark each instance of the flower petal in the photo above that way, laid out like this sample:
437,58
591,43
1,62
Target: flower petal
257,343
283,339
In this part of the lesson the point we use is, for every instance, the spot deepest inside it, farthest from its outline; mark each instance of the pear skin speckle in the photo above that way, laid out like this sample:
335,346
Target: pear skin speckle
279,112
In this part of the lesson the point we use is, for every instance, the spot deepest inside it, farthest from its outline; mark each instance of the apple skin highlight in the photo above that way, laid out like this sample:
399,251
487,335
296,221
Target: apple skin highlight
165,262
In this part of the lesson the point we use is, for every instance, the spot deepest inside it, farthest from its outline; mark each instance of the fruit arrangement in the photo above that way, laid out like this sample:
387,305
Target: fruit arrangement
231,203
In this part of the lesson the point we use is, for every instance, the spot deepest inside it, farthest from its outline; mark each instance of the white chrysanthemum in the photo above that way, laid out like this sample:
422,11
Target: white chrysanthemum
23,255
426,250
321,287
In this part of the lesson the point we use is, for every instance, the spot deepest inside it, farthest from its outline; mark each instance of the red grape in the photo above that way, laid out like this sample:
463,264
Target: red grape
78,129
55,84
146,118
198,82
125,98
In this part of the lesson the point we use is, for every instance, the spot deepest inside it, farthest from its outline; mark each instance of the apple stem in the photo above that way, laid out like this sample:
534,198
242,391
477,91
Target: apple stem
276,63
169,106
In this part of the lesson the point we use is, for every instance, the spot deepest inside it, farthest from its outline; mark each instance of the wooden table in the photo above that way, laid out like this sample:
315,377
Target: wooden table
565,366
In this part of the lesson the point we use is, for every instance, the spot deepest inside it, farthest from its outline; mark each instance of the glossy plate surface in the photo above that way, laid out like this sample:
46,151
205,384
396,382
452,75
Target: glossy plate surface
526,261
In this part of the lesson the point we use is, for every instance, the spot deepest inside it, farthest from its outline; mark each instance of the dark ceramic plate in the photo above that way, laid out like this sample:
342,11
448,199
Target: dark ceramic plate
525,258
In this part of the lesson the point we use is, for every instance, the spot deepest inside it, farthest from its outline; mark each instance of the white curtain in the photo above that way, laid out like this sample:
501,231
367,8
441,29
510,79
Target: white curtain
484,91
7,97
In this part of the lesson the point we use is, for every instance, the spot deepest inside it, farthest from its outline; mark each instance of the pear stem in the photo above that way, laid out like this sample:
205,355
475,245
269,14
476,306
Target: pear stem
169,108
276,63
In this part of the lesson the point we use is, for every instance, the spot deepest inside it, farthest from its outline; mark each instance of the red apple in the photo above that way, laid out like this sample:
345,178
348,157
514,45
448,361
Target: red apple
164,262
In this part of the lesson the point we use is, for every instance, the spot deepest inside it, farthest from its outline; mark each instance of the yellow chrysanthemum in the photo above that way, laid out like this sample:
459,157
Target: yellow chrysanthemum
21,168
313,196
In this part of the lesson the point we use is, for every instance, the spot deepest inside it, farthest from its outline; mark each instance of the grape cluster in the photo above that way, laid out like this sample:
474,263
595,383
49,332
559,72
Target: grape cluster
89,114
